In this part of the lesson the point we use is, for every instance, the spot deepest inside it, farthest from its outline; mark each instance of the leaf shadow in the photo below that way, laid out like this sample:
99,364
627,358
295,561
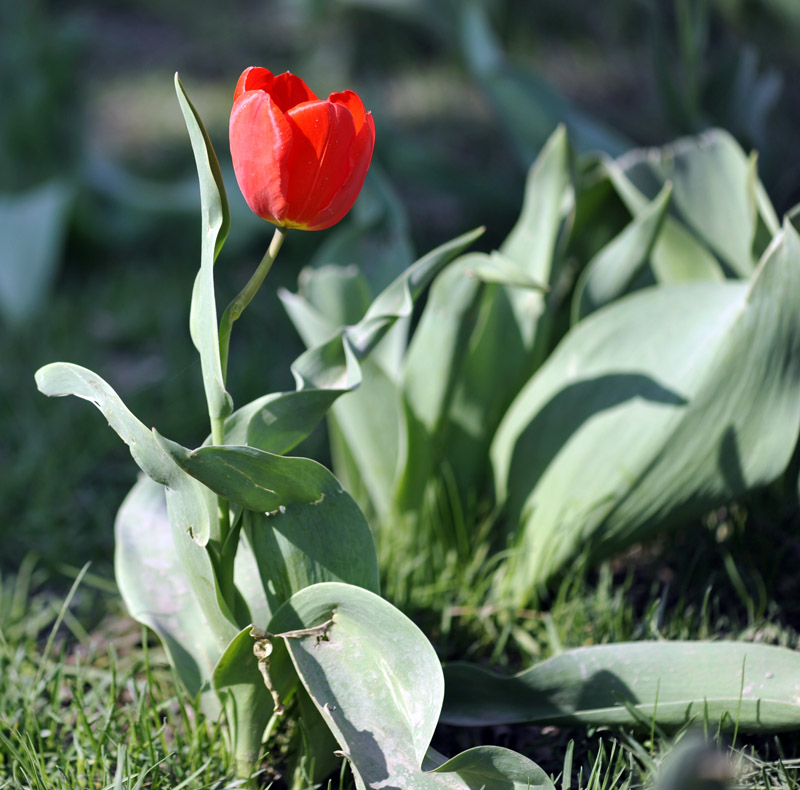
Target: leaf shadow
563,415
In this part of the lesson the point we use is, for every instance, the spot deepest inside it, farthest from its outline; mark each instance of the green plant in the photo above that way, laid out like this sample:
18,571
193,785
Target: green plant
586,342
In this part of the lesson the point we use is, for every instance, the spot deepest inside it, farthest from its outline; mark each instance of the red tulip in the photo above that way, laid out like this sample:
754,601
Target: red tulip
300,161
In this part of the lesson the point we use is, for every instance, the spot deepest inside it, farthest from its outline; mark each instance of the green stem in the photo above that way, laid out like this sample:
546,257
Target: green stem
232,312
237,306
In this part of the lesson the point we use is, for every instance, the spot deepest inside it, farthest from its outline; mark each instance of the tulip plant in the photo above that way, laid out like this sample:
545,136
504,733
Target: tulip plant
258,570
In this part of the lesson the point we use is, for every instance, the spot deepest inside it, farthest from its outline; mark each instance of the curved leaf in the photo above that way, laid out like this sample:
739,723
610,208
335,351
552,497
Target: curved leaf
377,683
397,300
366,426
714,191
610,273
216,222
248,705
303,527
155,588
737,684
59,379
278,422
651,411
188,502
678,256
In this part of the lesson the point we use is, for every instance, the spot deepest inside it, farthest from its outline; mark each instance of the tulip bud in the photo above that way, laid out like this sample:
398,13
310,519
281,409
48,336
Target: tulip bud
300,161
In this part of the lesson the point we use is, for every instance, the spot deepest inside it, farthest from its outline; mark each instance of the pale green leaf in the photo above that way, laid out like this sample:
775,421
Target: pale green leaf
662,405
188,503
155,588
612,270
678,255
736,684
367,424
248,704
302,526
215,225
377,683
397,299
714,191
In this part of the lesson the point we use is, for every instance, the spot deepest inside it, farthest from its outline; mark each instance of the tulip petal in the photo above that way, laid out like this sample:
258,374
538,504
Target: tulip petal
360,155
288,90
323,134
254,78
353,103
261,144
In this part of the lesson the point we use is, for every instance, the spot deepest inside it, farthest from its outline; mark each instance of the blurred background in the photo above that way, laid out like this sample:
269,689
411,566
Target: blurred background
99,208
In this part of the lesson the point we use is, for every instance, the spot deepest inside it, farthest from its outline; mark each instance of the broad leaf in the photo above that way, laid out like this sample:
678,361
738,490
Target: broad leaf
736,684
155,588
678,255
511,327
279,421
652,410
397,299
302,526
216,222
377,683
431,370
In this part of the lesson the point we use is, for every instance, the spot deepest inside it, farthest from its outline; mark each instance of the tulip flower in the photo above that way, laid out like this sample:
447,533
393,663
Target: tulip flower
300,161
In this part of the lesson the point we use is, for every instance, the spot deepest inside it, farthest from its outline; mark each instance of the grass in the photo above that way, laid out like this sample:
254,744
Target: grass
87,698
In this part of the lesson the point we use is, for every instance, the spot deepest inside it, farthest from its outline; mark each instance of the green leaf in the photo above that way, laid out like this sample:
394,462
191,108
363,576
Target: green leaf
610,273
155,588
248,704
377,683
737,684
216,222
188,503
397,299
341,294
431,371
279,421
367,424
437,349
498,269
59,379
714,191
375,236
33,227
548,200
302,526
678,255
517,320
663,405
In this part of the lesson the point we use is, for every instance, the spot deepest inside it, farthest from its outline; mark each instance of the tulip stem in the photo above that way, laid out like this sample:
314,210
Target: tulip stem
237,306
